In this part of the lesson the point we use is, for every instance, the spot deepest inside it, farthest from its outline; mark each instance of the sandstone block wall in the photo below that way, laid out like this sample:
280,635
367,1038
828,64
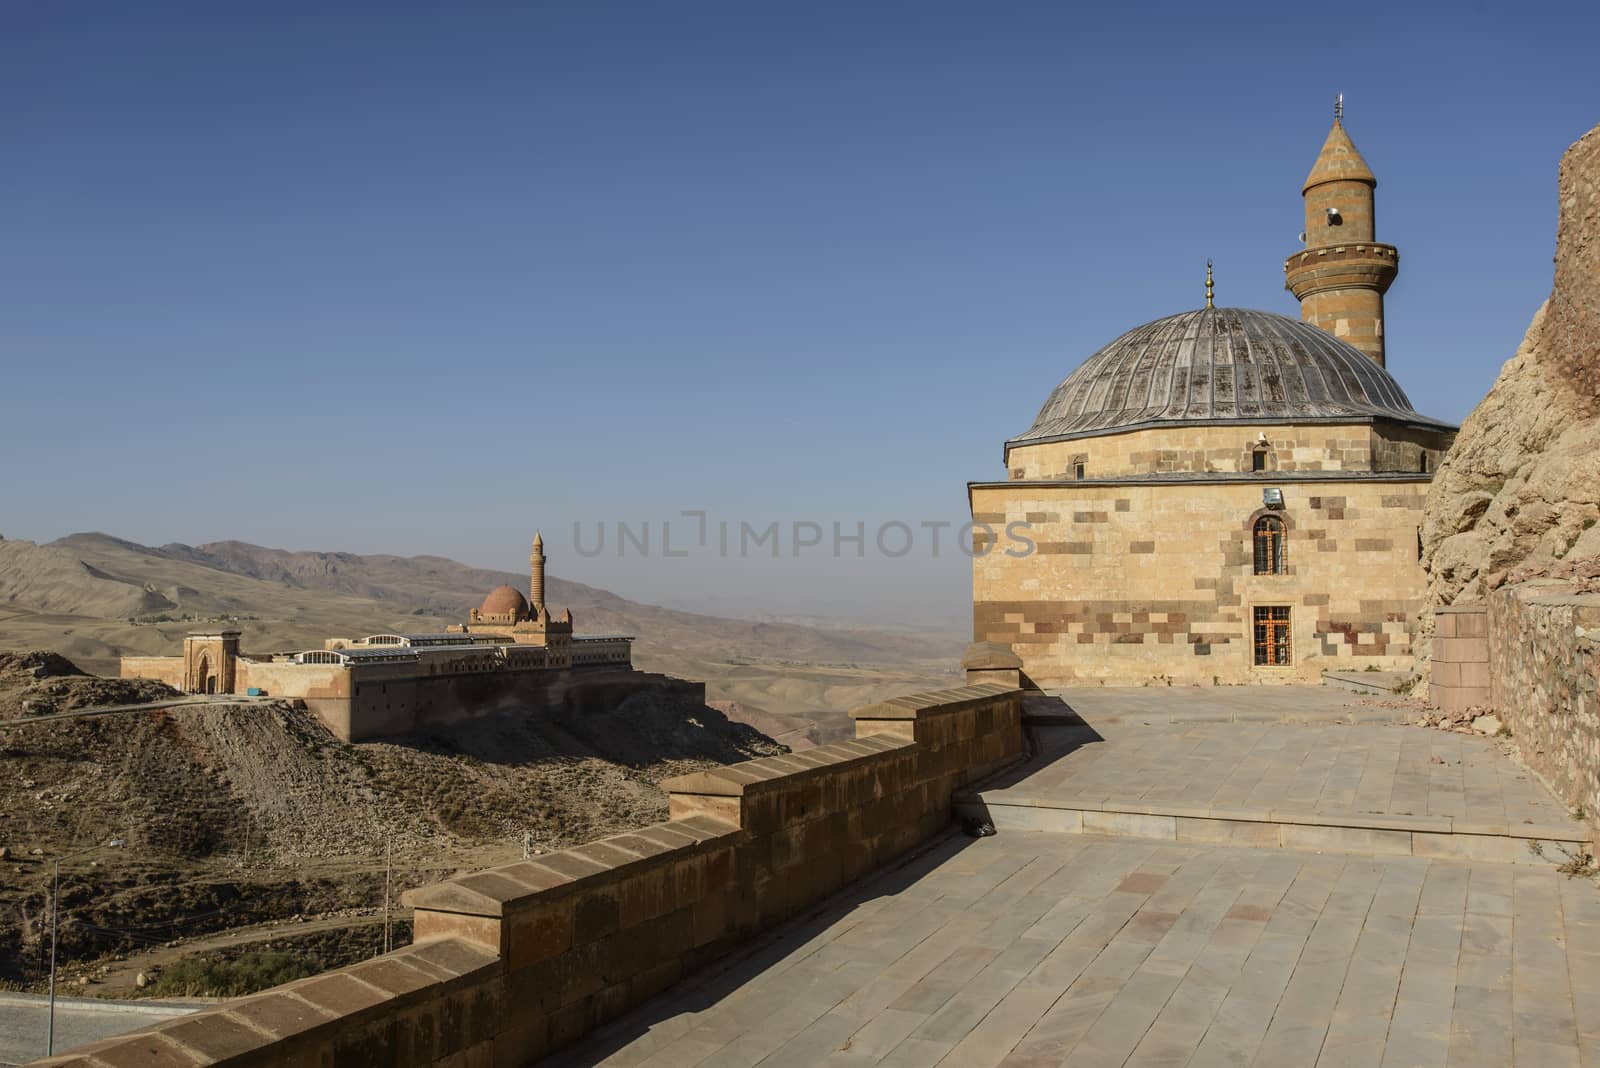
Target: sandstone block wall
360,702
1461,658
1229,449
167,669
1129,584
1544,670
512,963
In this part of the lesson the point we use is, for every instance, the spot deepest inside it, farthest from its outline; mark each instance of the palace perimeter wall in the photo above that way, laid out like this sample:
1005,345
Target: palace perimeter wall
512,963
391,700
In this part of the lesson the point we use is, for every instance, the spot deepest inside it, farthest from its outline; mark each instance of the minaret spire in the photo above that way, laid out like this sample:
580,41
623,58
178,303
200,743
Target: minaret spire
1342,274
536,574
1210,287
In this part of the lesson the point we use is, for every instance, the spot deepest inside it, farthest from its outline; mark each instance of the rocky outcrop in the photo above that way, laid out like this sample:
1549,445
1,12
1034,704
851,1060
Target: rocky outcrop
1518,495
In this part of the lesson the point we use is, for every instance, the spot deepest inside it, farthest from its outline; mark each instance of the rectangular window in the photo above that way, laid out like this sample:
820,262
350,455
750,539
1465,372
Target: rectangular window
1258,460
1272,636
1077,471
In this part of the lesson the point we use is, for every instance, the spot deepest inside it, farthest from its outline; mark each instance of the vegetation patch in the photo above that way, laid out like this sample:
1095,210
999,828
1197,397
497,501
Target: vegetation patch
215,977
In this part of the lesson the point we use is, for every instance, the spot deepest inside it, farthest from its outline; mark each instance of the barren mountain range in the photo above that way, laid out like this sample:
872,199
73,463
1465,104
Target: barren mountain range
93,597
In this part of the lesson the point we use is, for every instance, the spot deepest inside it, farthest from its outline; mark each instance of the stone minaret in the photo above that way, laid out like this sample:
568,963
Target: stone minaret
1343,273
536,574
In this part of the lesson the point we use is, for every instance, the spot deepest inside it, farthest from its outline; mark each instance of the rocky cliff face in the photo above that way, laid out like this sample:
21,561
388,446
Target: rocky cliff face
1519,493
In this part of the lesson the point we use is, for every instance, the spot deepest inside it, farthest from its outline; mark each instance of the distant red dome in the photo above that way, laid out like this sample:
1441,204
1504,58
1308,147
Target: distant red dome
505,601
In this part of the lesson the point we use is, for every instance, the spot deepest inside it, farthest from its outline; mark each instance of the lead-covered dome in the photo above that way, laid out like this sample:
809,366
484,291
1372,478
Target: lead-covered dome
1218,366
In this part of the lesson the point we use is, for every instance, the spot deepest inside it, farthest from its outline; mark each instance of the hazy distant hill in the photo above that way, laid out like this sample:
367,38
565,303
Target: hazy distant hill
94,597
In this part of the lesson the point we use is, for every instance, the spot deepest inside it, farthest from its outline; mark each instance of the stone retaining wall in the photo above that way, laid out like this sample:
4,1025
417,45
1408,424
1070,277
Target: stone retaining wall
514,962
1544,673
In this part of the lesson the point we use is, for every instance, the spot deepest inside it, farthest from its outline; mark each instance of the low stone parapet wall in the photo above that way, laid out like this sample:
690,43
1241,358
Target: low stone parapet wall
1544,647
514,962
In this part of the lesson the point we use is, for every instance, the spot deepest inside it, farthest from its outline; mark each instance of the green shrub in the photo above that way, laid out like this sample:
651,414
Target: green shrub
214,977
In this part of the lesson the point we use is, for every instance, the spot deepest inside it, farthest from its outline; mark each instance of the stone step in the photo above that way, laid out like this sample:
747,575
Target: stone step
1437,837
1062,715
1372,683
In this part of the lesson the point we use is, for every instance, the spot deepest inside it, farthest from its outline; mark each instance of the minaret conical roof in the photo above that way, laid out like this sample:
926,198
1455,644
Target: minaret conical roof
1339,161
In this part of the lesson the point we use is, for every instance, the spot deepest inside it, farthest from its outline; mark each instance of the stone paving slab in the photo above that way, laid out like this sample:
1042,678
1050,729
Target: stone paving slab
1443,780
1099,705
1031,949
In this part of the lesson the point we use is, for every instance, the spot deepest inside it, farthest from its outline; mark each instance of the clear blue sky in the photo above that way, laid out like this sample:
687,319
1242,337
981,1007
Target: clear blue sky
418,277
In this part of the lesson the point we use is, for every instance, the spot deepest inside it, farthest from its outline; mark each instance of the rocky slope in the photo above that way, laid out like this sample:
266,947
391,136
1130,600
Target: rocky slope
1519,492
238,814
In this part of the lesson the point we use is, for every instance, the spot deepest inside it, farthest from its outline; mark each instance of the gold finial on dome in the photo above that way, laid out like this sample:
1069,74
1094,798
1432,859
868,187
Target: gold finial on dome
1210,287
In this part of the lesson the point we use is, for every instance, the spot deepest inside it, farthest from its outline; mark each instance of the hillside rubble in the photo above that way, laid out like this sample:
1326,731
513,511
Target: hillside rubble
39,683
259,805
1518,495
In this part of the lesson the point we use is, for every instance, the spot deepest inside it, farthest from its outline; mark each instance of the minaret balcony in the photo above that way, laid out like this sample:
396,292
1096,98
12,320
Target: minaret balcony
1367,265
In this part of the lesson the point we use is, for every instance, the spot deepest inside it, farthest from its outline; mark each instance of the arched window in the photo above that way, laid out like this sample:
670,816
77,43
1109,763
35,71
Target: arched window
1269,545
1079,464
1422,463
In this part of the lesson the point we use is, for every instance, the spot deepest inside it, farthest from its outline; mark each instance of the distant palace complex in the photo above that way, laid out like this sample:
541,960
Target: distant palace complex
386,685
1224,495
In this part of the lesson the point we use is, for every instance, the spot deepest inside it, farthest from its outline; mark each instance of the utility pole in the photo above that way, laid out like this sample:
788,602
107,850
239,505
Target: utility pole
388,879
55,916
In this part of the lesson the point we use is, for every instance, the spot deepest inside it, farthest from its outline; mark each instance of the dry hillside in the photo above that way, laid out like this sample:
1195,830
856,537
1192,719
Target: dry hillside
238,814
1519,492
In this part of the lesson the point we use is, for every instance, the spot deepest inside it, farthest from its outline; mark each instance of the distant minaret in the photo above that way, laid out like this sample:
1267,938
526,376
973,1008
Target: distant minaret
1343,273
536,574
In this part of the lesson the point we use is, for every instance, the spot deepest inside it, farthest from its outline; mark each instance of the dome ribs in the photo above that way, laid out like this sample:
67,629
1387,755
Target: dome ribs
1197,404
1140,403
1220,365
1247,389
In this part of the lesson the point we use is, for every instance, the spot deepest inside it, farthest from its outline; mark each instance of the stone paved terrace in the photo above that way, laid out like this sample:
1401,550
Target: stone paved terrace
1109,705
1147,947
1395,770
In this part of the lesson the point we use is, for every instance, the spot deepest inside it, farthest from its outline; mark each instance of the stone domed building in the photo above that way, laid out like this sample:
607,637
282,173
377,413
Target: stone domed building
505,613
505,604
1222,495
